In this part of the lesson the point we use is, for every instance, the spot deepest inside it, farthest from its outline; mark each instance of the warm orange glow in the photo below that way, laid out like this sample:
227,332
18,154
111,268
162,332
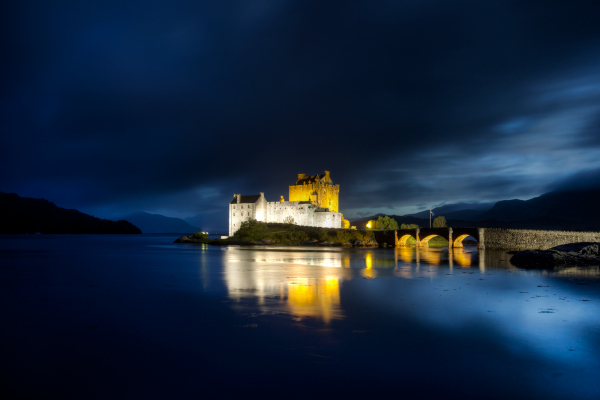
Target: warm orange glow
345,222
318,189
369,272
403,239
369,225
405,254
462,258
458,242
425,240
314,298
431,257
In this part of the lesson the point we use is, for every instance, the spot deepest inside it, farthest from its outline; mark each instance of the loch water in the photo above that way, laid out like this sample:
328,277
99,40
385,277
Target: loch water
138,317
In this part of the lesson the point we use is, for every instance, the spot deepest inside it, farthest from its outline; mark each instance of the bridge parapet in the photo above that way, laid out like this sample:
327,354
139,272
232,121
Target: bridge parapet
528,239
495,238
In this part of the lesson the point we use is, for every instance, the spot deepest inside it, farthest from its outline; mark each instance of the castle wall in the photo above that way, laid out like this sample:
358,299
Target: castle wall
313,201
327,194
304,214
239,213
261,208
328,219
301,212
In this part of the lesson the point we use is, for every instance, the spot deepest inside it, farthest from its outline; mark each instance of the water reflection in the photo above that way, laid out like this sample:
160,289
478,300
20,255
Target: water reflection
306,283
290,279
315,298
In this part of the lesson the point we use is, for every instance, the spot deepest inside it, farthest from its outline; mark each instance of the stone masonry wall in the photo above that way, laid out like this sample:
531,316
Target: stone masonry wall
304,214
328,194
239,213
301,212
328,220
521,239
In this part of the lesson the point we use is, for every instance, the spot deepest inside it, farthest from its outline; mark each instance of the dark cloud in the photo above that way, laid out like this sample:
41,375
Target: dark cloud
584,180
174,106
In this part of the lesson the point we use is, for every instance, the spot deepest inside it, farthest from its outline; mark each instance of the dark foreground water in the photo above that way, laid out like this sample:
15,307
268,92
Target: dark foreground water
128,317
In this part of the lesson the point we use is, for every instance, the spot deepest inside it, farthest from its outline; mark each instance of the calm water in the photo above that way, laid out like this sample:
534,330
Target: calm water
139,317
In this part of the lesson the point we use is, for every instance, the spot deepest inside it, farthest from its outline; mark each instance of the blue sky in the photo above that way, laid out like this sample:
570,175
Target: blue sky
171,107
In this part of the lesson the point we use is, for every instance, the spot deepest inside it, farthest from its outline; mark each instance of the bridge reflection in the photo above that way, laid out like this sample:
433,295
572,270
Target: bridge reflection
306,283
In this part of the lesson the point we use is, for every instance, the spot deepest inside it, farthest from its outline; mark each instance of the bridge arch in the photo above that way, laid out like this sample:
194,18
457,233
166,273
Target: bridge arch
460,234
458,241
426,239
402,241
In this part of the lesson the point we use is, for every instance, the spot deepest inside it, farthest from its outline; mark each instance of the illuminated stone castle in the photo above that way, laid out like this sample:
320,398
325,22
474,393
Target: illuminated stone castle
318,190
313,201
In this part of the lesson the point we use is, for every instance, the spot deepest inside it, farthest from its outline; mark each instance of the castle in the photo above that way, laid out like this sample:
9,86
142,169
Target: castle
313,201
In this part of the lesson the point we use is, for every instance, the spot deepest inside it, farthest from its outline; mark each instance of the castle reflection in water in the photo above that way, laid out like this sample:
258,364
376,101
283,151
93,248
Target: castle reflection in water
306,282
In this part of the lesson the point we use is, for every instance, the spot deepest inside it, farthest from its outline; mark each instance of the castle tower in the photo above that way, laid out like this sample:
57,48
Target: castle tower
318,189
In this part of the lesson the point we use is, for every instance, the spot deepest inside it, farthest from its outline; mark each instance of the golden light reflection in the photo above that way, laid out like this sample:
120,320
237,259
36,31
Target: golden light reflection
369,272
314,298
405,254
433,257
346,262
291,281
462,257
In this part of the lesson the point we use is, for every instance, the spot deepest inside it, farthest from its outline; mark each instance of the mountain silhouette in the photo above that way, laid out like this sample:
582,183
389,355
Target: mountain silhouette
466,209
156,223
27,215
575,209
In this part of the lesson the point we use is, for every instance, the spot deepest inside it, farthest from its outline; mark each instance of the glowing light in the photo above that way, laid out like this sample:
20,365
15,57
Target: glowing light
314,298
458,242
462,258
369,272
402,241
369,225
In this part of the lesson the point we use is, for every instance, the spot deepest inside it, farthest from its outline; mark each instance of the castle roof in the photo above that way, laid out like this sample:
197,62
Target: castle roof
310,179
246,199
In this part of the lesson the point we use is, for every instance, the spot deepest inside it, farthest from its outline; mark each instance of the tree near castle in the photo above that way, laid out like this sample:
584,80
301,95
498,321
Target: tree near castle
440,222
409,226
386,223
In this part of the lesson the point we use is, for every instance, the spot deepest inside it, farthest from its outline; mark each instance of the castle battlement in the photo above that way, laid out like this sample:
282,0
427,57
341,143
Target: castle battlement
313,201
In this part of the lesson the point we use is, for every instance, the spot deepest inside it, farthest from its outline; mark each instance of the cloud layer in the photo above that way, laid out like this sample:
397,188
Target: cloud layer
173,106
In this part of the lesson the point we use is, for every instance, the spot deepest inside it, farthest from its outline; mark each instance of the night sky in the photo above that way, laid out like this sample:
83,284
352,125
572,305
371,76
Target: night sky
170,107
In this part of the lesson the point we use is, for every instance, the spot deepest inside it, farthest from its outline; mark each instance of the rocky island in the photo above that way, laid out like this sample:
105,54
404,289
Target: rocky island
255,232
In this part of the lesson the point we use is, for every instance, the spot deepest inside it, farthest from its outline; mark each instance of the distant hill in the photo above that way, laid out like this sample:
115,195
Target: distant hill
578,209
466,215
213,221
156,223
462,209
27,215
558,210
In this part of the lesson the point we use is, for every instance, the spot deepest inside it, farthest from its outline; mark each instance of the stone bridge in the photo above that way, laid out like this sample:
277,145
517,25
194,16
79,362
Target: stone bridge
487,238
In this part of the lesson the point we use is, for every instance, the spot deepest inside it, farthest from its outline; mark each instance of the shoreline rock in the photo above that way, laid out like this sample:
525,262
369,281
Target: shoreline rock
573,254
191,239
